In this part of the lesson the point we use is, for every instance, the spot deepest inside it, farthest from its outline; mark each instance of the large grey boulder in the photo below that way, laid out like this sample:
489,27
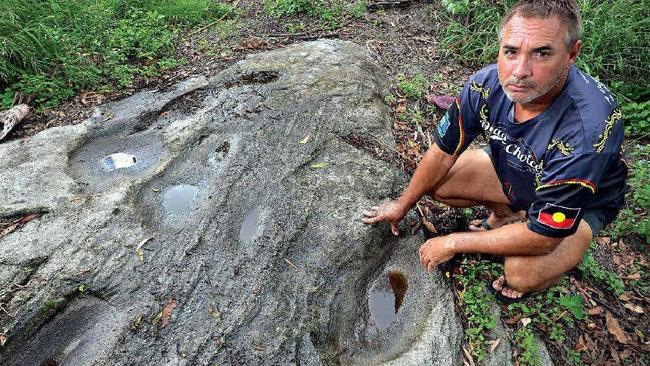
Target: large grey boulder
233,238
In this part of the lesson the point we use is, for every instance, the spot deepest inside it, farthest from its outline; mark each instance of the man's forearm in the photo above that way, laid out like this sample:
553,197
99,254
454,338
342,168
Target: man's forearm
432,168
508,240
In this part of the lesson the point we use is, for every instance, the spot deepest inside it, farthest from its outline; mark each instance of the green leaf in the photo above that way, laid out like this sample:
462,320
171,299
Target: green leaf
319,165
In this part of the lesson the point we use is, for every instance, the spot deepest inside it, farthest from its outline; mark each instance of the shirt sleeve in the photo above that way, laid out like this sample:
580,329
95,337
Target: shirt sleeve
460,125
568,185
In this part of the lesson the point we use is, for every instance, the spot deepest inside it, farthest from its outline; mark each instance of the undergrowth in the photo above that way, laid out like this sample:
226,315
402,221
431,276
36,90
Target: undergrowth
54,48
332,12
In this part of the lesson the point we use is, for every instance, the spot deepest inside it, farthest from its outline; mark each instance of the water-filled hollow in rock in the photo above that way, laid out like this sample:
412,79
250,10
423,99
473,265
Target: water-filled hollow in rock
385,299
251,226
178,199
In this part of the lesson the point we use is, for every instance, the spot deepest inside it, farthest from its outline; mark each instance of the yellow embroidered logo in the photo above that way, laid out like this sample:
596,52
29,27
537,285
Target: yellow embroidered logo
609,124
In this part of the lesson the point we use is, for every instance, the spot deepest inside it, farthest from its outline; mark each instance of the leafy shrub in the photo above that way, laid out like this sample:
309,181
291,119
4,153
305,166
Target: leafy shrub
590,268
413,87
637,118
634,218
54,48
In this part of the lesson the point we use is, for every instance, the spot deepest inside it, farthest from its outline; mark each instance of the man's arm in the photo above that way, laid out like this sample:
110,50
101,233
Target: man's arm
508,240
432,168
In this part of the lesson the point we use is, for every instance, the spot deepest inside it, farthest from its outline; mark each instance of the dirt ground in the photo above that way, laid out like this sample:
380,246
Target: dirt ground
405,41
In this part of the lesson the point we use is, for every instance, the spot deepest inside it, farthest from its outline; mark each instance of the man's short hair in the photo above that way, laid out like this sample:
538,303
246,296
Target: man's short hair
567,10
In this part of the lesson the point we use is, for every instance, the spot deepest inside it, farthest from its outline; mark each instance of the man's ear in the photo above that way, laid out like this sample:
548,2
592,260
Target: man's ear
575,51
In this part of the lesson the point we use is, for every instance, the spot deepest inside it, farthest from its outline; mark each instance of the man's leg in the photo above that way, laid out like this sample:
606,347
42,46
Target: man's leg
472,181
536,273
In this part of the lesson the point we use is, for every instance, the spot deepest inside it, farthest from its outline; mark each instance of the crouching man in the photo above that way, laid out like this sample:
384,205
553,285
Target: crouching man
553,160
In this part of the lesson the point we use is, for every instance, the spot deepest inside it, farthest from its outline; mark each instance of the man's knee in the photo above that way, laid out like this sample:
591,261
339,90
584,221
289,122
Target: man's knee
520,276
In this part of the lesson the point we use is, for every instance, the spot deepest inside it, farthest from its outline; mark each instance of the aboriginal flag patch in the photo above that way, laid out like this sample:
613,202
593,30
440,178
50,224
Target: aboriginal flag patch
558,217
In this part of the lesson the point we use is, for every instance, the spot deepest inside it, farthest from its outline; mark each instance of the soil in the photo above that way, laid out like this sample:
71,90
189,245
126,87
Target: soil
406,41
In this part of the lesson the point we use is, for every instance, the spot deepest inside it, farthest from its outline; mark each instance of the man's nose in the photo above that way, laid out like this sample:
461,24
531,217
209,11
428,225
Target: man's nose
522,68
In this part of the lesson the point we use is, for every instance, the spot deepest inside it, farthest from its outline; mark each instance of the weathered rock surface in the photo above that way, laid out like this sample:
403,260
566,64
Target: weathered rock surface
251,196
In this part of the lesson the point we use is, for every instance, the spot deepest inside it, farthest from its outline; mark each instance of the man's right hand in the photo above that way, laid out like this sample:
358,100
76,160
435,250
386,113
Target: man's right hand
392,212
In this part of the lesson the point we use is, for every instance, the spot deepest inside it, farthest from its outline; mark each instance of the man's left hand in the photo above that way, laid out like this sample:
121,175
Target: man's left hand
436,251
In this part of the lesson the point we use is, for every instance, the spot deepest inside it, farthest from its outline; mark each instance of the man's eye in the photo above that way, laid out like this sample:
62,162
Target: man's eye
542,54
509,52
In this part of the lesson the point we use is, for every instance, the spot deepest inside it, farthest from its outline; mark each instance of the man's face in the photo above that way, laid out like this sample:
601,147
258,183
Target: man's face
533,58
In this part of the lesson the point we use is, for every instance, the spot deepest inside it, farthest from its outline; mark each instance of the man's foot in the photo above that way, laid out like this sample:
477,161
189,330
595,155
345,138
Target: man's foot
493,222
504,293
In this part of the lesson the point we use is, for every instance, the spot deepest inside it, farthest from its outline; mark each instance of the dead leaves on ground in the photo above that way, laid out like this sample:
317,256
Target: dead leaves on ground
164,316
17,223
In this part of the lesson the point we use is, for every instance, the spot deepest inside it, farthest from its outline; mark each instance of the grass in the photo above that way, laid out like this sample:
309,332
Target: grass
634,218
332,13
57,48
476,305
556,315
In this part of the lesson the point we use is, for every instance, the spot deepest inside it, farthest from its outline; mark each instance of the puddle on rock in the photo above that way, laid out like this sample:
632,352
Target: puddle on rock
386,298
178,199
250,227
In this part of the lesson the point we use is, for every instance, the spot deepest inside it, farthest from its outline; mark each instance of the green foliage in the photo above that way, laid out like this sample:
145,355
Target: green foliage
390,99
7,98
471,34
634,217
313,8
616,40
525,338
476,305
637,118
575,305
594,271
414,87
190,12
54,48
331,12
357,9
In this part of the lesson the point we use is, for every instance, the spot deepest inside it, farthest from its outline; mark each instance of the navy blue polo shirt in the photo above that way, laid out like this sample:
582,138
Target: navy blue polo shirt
557,165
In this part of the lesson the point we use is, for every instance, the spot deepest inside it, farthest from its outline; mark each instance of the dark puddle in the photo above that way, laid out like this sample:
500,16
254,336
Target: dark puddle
178,199
250,226
385,299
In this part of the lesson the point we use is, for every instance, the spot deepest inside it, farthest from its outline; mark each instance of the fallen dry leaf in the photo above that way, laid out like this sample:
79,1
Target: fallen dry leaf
617,259
495,343
25,219
429,226
400,108
625,354
469,357
595,311
167,312
634,276
3,339
615,329
603,240
581,345
525,321
512,320
140,254
142,243
635,308
625,296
